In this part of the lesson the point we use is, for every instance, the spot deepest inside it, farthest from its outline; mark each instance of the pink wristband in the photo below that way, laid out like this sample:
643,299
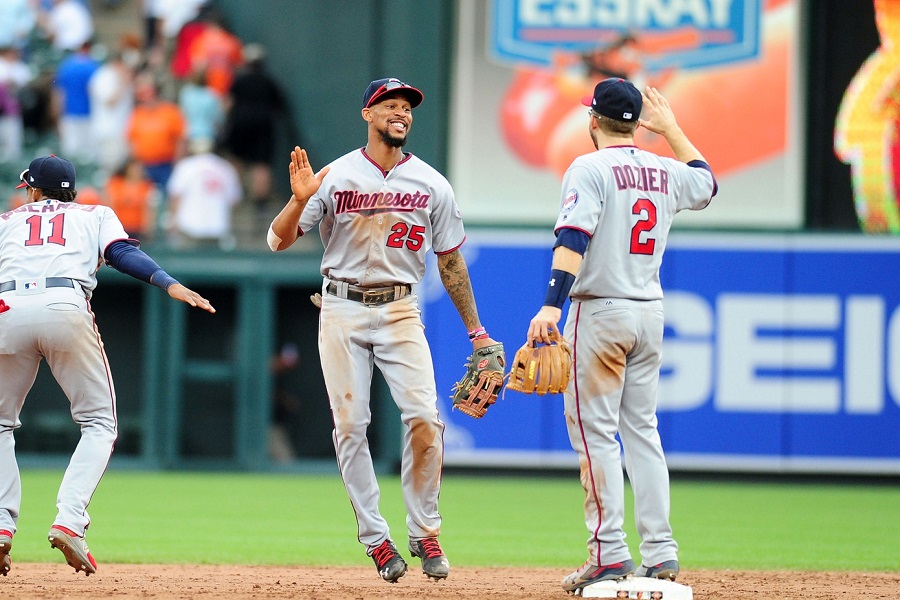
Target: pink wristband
477,332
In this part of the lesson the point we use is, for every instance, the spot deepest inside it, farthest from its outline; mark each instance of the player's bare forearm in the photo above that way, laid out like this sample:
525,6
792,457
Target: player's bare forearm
455,277
547,318
682,147
285,225
566,259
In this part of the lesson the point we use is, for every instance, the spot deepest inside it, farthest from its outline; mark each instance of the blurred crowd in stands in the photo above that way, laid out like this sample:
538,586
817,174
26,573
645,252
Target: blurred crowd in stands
173,125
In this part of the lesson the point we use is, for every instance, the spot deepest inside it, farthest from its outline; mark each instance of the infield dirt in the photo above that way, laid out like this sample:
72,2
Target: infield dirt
164,582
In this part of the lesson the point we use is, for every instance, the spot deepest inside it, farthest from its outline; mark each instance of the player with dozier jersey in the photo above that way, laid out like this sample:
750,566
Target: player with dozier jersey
617,205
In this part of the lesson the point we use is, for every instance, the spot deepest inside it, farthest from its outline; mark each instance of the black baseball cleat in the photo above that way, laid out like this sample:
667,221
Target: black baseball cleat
590,573
668,569
5,547
388,561
434,562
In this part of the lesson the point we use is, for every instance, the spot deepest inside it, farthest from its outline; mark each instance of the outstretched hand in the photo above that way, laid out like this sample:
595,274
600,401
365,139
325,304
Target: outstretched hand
660,118
188,296
304,182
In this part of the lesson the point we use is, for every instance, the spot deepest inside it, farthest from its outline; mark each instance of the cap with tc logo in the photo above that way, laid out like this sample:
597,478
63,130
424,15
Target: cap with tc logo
617,99
382,87
49,173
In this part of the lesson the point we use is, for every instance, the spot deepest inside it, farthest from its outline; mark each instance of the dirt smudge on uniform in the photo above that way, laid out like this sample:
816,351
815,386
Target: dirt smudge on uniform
609,371
343,424
423,454
593,501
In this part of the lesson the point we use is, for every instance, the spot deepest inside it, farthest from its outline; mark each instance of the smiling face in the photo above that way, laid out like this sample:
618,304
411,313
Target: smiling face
391,118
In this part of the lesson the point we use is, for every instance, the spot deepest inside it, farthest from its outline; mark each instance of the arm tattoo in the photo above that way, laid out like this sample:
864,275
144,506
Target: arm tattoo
455,277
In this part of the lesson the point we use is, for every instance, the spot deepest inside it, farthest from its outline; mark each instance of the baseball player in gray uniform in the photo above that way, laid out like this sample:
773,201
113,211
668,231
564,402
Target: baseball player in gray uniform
617,207
50,251
379,211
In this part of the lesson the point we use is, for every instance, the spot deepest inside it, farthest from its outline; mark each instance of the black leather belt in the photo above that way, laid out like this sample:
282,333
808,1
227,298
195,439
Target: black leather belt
371,296
8,286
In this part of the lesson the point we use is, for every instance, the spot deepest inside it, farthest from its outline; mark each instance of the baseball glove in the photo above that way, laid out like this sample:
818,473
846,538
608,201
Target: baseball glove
482,381
542,369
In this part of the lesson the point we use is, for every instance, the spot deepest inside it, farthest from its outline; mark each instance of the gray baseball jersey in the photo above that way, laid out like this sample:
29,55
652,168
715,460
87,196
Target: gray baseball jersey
57,239
49,255
625,199
404,214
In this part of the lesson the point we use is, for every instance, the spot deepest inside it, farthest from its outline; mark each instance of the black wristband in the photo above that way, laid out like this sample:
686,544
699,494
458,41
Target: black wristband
558,288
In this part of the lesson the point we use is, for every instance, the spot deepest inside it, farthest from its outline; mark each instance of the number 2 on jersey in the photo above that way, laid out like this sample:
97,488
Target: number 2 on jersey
647,221
56,232
403,234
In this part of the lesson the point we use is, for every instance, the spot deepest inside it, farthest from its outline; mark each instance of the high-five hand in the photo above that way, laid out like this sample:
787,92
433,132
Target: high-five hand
304,183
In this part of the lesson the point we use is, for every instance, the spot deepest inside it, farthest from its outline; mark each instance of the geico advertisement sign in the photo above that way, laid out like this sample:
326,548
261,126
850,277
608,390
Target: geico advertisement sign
821,354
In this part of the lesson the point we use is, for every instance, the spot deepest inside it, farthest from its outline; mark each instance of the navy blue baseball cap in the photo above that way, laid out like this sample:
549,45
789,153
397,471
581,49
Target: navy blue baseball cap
617,99
49,173
381,87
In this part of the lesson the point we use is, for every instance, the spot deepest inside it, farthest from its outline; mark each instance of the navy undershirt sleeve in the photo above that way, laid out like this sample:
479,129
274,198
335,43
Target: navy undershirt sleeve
573,239
133,261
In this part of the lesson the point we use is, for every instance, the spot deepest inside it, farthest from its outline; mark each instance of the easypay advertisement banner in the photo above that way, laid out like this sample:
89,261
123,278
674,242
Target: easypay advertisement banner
781,353
728,67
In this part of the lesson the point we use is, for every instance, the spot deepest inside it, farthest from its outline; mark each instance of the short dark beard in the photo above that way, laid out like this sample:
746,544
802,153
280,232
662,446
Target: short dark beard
390,140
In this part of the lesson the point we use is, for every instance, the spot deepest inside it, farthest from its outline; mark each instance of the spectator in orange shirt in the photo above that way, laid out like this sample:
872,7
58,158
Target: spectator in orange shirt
131,194
156,130
219,52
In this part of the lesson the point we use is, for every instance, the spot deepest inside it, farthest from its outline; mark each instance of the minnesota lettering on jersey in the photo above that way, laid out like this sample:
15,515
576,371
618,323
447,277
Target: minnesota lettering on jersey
35,207
352,201
648,179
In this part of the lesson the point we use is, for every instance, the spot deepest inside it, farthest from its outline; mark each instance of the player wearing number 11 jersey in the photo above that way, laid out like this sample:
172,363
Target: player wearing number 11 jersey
380,210
50,251
617,208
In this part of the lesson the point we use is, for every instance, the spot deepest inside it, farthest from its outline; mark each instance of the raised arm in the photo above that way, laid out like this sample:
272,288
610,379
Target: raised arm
660,119
283,231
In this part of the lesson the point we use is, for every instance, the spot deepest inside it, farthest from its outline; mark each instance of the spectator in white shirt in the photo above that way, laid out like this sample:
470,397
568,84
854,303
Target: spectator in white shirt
111,91
203,190
68,24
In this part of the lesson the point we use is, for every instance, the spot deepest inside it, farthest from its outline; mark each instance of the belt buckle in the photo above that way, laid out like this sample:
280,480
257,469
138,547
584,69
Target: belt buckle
370,297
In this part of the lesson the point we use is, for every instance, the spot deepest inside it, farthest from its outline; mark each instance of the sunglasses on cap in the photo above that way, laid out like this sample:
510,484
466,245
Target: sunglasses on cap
393,84
23,178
